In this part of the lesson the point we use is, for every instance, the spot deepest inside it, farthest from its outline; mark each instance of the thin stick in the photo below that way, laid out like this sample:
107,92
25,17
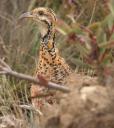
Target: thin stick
93,11
6,70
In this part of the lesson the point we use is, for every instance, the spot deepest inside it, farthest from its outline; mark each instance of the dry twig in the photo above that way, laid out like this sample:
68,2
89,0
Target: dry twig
6,70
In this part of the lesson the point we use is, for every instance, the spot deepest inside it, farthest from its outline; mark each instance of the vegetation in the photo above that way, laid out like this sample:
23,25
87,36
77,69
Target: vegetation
85,39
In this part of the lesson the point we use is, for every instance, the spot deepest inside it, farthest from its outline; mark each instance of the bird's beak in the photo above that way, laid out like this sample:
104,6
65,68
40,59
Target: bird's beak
26,15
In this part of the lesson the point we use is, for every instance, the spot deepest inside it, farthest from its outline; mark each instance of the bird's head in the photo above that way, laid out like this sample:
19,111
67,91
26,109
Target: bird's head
41,14
47,20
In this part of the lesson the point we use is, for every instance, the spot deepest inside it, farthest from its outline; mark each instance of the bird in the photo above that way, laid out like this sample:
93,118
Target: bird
50,64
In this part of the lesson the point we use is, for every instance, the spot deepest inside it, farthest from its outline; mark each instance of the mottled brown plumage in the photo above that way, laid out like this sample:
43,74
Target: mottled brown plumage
50,64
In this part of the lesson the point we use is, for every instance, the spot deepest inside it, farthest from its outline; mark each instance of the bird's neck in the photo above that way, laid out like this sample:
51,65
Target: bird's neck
48,37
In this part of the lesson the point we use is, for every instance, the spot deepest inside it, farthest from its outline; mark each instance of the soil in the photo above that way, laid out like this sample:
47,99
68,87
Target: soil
88,105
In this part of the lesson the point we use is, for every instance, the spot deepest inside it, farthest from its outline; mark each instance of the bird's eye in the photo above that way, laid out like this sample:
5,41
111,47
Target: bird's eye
40,13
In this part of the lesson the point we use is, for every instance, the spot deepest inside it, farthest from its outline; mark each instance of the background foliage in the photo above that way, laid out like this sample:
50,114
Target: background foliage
85,39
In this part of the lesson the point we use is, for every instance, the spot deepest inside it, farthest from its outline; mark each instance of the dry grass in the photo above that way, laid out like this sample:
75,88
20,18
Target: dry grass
19,44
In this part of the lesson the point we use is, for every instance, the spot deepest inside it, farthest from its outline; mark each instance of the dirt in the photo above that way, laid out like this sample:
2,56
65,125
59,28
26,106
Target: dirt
88,105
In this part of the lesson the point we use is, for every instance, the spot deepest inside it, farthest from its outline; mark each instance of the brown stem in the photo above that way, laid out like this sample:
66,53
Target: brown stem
6,70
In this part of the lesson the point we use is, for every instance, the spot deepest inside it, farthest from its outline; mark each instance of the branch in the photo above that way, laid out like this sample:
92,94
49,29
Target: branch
40,81
30,107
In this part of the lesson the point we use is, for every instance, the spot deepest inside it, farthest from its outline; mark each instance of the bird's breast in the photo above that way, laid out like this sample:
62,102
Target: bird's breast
52,67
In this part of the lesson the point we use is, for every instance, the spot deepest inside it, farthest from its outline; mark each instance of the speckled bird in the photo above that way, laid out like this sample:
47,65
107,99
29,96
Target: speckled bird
50,64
